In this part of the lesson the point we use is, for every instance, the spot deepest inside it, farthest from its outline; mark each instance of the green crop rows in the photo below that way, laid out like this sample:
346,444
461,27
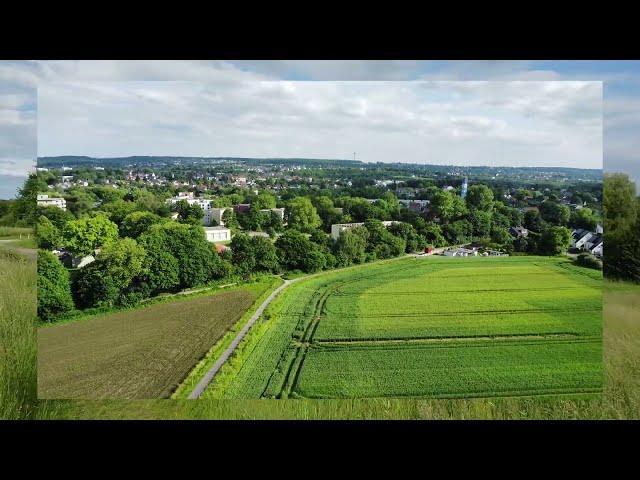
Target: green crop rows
435,327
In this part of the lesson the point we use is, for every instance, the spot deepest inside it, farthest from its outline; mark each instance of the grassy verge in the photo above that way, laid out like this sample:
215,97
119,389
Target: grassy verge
262,288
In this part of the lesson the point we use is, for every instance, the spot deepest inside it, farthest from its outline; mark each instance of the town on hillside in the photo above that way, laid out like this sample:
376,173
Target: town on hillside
130,229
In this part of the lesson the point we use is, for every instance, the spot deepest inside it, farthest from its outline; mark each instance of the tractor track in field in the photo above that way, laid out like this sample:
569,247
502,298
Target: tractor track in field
306,342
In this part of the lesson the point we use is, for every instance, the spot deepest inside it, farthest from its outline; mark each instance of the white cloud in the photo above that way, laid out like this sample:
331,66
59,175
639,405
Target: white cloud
382,121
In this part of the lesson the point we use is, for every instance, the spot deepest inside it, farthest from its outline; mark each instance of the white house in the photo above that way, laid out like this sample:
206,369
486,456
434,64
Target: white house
595,245
217,234
46,201
338,228
580,237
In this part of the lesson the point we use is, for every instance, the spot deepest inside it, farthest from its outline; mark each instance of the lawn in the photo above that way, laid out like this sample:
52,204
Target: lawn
140,353
443,328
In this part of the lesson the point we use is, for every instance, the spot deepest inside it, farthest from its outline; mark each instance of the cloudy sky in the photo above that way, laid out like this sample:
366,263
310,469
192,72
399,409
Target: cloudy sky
242,108
549,123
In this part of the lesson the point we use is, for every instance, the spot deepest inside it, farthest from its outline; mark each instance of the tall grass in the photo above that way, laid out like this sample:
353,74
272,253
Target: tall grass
15,232
18,353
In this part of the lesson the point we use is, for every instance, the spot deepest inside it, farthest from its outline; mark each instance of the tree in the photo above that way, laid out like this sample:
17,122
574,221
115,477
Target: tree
57,216
413,241
49,236
230,220
191,214
297,252
326,210
86,234
442,205
618,202
350,247
243,256
555,240
263,201
481,222
197,262
554,213
302,215
118,210
136,223
109,281
480,197
162,272
54,292
501,236
533,221
433,234
583,218
25,209
266,256
458,232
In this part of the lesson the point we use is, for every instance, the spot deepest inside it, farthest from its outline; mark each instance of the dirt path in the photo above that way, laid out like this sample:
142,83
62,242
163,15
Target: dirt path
204,382
29,252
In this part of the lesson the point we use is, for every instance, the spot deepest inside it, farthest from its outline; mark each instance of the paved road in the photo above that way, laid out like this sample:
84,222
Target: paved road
204,382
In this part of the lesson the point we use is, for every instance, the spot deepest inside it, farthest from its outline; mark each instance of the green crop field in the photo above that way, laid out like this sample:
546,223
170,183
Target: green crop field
140,353
427,328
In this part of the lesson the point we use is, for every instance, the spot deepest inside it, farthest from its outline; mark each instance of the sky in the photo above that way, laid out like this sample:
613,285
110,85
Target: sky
347,105
507,123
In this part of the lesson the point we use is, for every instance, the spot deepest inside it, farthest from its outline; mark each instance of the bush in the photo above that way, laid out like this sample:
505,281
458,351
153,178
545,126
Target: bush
589,261
54,292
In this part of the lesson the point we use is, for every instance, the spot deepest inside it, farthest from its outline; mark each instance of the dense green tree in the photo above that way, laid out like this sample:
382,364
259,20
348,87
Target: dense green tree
302,215
618,203
432,232
481,222
25,210
57,216
86,234
197,261
413,241
109,281
190,214
49,236
555,240
54,292
583,218
243,255
162,272
297,252
350,247
533,221
458,232
480,197
554,213
136,223
266,257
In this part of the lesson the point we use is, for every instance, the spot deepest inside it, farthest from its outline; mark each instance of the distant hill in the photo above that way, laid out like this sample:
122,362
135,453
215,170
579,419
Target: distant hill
74,160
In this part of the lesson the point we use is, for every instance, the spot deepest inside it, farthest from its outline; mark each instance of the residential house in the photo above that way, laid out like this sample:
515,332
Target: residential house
519,232
217,234
595,245
580,237
46,201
